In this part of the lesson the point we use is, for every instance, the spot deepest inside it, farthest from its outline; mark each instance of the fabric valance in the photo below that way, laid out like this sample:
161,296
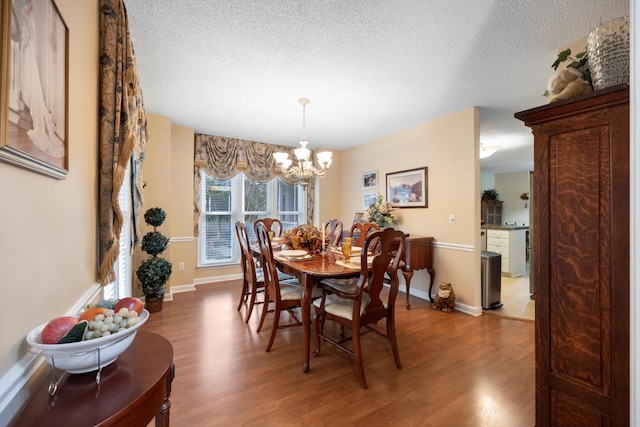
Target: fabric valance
224,158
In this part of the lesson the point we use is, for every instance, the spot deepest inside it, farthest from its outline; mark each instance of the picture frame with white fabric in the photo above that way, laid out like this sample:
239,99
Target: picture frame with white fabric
34,87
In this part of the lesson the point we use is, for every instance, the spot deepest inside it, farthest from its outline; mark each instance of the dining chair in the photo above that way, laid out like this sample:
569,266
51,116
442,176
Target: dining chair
252,276
360,230
333,232
357,304
284,295
271,224
253,280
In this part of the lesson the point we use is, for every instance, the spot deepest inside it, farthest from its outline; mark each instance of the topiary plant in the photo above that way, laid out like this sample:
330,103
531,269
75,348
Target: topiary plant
155,217
154,243
154,272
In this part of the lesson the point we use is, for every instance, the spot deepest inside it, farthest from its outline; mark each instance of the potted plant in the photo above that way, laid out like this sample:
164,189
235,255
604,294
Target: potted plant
154,272
490,194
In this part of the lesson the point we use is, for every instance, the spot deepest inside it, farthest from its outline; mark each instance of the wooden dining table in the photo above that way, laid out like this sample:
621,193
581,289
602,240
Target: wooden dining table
310,272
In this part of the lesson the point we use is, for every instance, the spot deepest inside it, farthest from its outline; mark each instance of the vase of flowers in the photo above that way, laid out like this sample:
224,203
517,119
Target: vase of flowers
382,213
305,237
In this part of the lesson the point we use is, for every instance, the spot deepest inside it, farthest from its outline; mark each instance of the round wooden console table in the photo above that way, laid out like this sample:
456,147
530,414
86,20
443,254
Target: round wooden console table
133,390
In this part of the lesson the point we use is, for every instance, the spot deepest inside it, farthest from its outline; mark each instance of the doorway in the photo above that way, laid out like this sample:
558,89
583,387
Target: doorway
517,294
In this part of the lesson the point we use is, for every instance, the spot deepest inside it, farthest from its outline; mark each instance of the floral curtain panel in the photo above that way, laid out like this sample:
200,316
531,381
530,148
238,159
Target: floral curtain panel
123,133
224,158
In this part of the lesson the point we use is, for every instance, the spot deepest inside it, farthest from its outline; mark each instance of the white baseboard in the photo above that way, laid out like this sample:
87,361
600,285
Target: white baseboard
474,311
183,288
217,279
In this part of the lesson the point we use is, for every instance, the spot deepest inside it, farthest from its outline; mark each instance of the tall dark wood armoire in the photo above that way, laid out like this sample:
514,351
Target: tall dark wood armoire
581,241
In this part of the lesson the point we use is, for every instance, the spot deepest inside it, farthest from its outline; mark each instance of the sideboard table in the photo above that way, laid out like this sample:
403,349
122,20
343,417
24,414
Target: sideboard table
418,255
133,390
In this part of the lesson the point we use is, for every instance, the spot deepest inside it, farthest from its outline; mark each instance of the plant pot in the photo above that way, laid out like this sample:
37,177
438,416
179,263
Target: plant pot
153,305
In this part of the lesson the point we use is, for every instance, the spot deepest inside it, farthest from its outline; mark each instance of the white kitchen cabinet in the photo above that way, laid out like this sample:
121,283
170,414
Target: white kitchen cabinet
511,244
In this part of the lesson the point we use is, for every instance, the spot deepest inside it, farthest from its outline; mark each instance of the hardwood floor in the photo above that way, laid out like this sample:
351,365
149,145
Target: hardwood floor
458,370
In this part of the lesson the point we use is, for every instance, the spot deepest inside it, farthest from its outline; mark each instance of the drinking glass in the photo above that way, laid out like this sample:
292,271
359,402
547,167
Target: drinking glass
346,248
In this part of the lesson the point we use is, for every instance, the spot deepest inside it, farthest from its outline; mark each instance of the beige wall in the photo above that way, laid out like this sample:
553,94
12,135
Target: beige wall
511,186
48,227
157,176
329,194
448,147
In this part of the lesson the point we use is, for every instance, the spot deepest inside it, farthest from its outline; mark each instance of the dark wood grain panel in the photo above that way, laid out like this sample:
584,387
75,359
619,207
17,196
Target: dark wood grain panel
581,240
577,208
570,412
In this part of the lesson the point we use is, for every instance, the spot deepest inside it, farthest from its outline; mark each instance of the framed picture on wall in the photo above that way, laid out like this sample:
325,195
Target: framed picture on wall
34,87
369,199
370,180
408,189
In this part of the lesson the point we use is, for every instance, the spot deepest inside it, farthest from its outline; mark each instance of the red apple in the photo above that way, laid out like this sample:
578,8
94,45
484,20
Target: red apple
130,303
56,329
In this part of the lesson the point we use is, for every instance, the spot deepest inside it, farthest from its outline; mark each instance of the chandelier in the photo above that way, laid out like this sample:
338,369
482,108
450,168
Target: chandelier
301,168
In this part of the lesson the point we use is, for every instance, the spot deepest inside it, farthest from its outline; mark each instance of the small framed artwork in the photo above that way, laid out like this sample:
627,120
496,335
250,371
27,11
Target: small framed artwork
358,217
370,180
408,189
34,87
369,199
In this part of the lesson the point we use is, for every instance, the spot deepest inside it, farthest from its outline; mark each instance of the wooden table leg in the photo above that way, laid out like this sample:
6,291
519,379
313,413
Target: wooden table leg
162,416
307,290
408,275
432,274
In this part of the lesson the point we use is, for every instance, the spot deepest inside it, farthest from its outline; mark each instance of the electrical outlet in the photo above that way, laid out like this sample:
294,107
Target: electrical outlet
181,266
452,219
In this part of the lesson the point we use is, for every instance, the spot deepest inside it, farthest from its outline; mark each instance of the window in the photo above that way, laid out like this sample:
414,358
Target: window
121,287
242,199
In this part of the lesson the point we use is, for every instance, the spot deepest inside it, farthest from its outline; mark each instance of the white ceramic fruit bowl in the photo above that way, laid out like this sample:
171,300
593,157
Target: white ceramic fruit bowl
80,357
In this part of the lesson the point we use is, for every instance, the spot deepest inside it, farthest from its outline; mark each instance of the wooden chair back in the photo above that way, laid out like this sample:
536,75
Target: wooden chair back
269,271
252,280
333,232
274,288
360,230
271,224
388,247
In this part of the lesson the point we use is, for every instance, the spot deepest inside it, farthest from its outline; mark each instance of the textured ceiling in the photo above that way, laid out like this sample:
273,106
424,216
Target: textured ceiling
370,67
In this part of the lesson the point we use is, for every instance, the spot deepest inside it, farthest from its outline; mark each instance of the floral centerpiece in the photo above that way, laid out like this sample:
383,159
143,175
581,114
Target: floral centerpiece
305,237
382,213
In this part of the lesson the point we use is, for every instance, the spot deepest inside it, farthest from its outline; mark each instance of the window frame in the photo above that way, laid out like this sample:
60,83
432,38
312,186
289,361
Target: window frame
238,213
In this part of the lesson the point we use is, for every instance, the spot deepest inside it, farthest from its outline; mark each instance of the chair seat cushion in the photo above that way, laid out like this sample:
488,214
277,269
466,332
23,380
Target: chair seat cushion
281,276
346,286
292,290
342,307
